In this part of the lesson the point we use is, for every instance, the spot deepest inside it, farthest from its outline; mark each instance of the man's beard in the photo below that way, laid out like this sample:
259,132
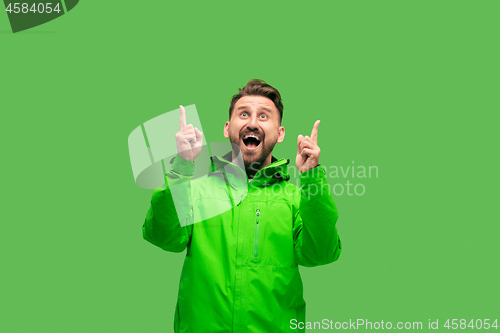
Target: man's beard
252,161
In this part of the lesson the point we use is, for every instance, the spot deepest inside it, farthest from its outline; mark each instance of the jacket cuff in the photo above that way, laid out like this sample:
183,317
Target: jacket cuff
312,176
183,166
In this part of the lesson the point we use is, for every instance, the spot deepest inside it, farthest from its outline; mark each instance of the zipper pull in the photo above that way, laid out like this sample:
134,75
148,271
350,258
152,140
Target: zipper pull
256,242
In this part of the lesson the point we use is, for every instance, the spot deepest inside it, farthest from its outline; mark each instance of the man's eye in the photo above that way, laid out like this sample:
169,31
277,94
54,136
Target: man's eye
244,114
263,116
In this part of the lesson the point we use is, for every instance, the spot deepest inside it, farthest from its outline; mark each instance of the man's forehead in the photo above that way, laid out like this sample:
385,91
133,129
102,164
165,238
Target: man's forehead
255,102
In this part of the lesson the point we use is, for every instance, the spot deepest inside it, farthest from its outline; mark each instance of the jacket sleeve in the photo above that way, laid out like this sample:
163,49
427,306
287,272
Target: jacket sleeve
316,240
167,221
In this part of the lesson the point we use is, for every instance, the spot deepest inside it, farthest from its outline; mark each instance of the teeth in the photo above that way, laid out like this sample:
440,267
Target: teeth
251,136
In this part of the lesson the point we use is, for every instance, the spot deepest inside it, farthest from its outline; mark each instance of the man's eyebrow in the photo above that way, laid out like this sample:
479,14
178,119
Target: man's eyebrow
245,106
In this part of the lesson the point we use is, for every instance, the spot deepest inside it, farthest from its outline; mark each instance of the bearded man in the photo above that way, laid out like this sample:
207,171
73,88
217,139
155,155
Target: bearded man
240,272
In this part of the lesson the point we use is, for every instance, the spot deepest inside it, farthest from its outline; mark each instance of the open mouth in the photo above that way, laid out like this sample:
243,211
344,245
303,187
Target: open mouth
251,141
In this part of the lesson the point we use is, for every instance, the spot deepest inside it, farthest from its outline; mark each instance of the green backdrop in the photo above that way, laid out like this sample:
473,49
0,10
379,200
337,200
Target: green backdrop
411,87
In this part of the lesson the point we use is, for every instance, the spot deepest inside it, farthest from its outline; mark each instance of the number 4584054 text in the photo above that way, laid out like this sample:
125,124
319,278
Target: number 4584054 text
39,8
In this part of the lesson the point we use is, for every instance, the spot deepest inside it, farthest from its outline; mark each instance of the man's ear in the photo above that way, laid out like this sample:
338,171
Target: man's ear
226,130
281,134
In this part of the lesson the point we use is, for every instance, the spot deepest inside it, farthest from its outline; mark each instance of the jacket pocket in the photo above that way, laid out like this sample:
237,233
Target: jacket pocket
256,241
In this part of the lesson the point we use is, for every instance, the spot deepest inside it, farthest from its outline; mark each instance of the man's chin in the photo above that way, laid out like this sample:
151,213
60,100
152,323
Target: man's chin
249,158
253,160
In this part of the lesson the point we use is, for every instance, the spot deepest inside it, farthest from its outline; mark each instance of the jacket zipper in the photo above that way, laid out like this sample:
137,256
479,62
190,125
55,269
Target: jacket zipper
256,243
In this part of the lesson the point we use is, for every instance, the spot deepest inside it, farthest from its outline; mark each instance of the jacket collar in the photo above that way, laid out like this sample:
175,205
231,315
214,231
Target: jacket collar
268,175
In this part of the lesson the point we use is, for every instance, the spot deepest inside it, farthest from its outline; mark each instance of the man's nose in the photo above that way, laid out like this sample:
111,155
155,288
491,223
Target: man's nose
253,124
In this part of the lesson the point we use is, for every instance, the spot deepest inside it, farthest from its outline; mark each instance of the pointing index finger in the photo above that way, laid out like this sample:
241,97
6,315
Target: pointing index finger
314,133
182,120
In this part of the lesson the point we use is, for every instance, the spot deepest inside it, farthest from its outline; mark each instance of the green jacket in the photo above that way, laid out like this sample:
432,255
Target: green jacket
241,272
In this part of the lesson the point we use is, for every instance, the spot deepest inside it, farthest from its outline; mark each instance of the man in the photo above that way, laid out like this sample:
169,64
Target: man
241,271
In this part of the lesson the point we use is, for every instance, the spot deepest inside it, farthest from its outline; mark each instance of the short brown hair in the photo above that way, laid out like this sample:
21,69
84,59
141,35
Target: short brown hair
261,88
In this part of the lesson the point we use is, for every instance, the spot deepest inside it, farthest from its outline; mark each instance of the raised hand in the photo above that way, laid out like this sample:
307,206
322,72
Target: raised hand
189,139
308,150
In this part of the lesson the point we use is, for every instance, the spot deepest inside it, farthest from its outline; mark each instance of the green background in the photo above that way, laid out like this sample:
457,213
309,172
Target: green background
409,86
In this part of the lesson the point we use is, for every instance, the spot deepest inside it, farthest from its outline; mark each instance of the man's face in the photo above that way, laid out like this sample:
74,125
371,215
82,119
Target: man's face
255,128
